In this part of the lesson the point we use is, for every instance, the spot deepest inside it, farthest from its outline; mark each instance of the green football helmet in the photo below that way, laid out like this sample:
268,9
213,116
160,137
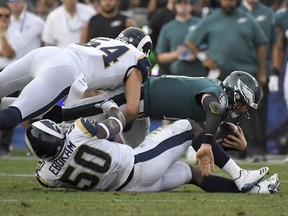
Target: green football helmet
241,86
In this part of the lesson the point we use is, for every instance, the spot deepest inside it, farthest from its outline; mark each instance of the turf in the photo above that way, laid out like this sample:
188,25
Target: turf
21,195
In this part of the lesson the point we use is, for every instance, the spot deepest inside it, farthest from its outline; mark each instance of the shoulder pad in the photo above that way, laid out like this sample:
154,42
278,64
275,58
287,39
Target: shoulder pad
144,66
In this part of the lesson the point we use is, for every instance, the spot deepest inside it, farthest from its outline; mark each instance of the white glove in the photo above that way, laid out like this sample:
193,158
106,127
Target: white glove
202,56
106,105
214,74
273,84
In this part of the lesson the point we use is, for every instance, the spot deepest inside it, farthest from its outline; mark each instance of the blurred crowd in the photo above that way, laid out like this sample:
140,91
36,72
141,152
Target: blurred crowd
190,37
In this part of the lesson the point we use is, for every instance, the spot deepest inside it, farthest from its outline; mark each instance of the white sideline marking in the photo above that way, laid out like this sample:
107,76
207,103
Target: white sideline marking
10,200
109,201
19,158
16,175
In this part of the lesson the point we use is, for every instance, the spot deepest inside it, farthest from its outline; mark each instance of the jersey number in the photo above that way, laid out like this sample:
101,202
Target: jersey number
95,167
112,53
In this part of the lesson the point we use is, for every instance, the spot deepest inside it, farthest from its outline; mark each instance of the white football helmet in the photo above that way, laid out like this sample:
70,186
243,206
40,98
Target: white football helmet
45,139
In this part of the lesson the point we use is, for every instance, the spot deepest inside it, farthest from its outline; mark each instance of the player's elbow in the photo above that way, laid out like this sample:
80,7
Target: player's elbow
131,113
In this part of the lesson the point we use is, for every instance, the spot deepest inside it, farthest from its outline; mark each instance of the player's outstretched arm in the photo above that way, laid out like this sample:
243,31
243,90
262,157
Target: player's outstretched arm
132,95
115,122
206,158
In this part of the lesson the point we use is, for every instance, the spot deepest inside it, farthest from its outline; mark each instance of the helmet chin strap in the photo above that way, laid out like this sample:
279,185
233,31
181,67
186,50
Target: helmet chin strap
233,115
239,118
246,115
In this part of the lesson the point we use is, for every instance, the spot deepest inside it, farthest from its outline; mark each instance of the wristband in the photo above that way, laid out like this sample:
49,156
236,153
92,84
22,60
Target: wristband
274,71
201,56
106,129
119,122
208,138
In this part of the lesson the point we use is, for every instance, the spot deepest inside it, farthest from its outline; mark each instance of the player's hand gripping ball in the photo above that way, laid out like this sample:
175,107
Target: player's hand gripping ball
225,129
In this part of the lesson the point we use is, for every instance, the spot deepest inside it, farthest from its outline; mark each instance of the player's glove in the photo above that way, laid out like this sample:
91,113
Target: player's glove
213,73
106,105
273,83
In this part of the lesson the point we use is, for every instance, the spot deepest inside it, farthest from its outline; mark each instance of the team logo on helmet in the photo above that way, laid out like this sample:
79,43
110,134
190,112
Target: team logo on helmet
247,93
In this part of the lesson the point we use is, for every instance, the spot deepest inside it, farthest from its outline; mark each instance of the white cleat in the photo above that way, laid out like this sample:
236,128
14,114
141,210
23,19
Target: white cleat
248,178
267,186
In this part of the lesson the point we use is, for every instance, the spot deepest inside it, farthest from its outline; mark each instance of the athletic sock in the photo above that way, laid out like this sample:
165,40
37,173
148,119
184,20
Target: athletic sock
10,118
232,169
214,183
220,156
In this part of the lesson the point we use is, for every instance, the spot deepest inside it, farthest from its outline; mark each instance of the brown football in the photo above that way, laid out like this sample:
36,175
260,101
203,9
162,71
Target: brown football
225,129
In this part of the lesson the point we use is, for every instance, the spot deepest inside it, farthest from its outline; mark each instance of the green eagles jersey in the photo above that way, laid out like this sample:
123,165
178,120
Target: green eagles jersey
281,21
170,97
234,49
265,17
172,36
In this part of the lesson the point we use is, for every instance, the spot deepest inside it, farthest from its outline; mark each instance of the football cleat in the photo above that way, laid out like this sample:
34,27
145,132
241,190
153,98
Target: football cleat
248,178
267,186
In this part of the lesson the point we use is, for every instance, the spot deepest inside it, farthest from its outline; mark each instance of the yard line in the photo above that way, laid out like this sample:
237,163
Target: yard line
10,200
109,201
19,158
17,175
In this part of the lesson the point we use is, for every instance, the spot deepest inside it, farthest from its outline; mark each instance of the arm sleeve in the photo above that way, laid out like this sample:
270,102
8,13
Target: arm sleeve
113,125
213,111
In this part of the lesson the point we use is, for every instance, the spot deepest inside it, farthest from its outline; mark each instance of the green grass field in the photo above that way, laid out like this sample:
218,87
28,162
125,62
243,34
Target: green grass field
21,195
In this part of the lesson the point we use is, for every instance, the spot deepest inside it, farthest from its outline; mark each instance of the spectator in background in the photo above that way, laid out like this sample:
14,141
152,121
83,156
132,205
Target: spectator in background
226,26
109,22
206,7
154,5
235,42
30,26
157,21
265,17
93,3
64,24
139,11
170,48
160,18
9,45
44,7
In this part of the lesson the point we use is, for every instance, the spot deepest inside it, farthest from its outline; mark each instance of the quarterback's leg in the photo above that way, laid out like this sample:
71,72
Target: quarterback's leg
213,183
244,179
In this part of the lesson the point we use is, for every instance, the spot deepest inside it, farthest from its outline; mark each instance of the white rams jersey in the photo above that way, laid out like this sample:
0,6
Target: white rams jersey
87,163
106,62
